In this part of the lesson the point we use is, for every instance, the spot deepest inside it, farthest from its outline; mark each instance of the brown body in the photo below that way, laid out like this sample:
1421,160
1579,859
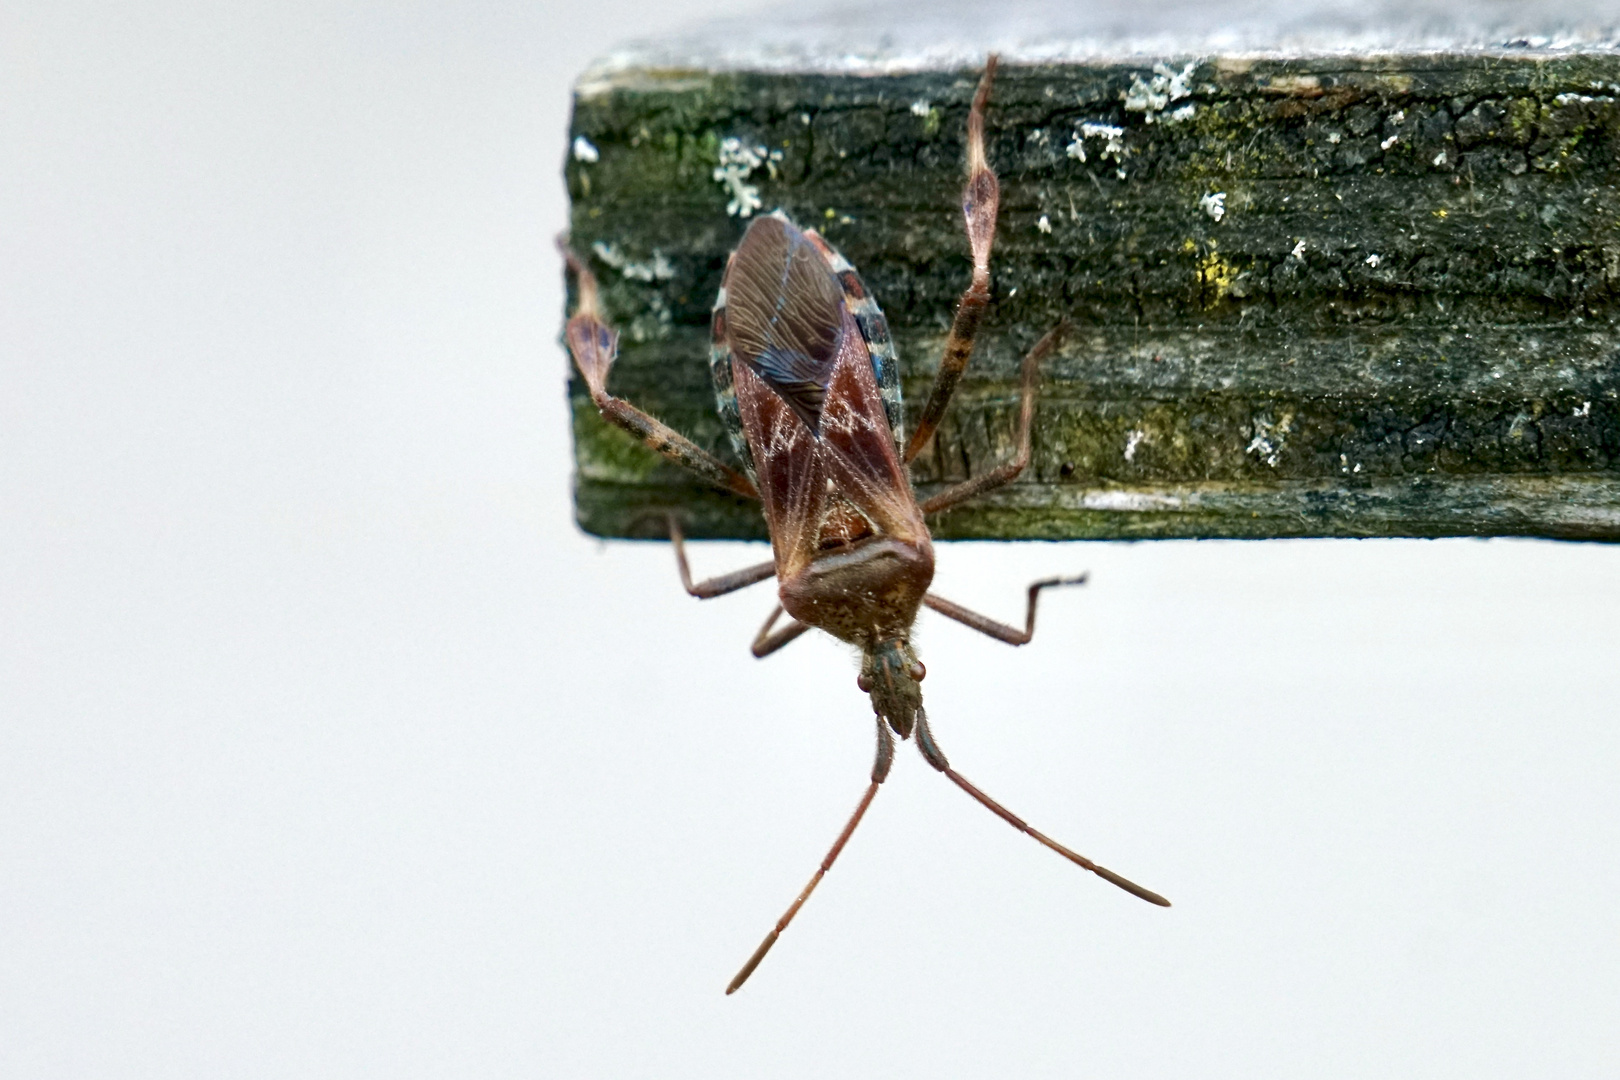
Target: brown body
806,379
852,551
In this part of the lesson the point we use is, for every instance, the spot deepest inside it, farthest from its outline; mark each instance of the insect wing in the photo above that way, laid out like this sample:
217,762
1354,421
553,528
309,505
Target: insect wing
788,469
796,373
874,328
858,449
784,314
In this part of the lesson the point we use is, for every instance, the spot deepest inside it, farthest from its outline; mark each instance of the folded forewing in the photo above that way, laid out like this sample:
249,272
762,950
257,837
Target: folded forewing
806,388
784,313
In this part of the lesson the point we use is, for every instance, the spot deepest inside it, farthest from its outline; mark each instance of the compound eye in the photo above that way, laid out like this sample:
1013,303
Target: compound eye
918,671
863,683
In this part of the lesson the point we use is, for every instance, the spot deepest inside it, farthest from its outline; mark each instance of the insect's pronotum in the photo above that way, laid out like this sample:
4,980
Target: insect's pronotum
808,384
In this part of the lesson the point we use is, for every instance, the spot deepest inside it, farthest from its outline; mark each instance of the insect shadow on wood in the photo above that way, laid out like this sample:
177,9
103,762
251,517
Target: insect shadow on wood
808,385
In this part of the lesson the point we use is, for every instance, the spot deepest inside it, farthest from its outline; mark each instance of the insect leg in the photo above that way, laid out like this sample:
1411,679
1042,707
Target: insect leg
1006,471
1000,630
931,751
880,770
766,642
980,199
594,345
715,586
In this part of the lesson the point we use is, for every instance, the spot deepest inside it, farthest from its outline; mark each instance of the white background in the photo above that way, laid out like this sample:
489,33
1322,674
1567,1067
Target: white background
330,748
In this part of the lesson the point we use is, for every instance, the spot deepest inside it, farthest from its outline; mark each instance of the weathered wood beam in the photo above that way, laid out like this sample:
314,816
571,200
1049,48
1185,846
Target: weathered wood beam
1312,293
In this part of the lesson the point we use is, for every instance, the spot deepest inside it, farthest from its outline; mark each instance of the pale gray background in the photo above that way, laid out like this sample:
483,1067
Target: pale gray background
329,748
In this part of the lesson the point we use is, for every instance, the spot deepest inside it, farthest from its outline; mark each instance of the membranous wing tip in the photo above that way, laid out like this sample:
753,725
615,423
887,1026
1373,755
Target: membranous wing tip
784,313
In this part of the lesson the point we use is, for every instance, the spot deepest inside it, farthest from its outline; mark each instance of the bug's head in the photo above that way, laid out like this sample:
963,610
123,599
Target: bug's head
890,673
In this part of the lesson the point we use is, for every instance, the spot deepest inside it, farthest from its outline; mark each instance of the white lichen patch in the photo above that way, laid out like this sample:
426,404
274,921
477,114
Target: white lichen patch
1181,115
659,269
584,151
929,115
1044,224
1214,204
1113,141
1152,96
1133,439
653,324
738,160
1269,438
1129,500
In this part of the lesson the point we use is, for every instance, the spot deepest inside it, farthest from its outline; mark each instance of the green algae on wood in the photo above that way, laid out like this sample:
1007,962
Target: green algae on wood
1329,297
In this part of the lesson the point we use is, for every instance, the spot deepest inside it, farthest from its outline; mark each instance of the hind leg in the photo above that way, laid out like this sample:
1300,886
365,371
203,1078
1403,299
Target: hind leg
1007,471
595,345
980,199
990,627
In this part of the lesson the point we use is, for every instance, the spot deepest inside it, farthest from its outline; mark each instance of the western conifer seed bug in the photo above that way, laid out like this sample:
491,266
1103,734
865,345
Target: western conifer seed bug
808,385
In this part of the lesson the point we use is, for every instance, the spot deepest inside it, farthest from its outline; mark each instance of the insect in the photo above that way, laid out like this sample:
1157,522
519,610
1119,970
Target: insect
808,383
